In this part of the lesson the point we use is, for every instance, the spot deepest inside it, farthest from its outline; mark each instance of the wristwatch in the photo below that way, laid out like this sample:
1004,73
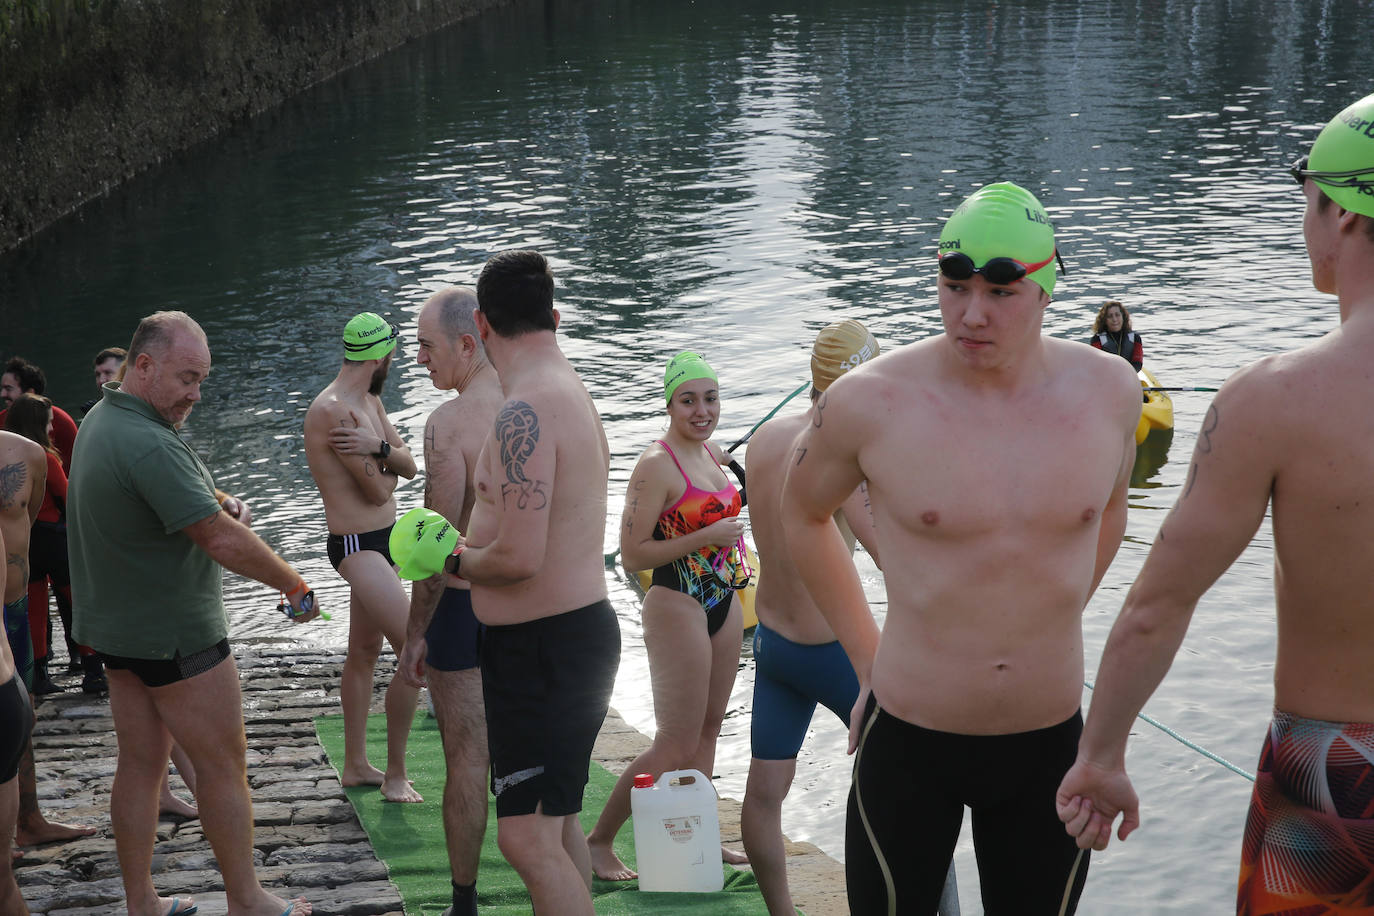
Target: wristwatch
383,451
454,560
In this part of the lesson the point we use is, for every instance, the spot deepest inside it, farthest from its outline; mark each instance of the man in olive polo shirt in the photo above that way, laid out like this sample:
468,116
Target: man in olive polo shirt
147,541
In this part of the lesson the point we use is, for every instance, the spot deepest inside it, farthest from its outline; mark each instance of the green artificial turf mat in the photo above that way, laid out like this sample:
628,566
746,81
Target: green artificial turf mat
409,839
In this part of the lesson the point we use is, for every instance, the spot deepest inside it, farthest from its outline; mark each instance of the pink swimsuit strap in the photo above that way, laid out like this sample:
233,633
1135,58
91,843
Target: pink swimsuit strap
725,495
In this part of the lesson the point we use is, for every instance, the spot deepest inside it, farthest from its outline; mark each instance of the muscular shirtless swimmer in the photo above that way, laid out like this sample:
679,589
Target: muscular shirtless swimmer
356,456
997,462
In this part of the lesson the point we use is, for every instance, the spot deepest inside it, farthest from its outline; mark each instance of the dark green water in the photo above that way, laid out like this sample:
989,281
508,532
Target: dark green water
730,177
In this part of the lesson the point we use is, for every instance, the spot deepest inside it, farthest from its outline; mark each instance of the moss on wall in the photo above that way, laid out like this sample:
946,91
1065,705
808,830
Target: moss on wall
93,91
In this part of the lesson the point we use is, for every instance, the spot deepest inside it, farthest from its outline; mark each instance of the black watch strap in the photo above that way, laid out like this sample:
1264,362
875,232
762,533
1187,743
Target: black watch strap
384,450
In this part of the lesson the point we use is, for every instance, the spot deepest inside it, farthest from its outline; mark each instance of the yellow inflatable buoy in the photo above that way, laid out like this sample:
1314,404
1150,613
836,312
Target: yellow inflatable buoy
644,578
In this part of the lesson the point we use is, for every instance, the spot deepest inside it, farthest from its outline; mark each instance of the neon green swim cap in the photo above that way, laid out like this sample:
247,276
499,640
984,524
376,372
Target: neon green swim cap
1345,150
420,542
1003,220
368,336
685,367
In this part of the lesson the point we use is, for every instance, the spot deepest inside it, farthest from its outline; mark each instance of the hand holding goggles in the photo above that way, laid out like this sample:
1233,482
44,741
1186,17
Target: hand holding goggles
998,271
1353,178
731,566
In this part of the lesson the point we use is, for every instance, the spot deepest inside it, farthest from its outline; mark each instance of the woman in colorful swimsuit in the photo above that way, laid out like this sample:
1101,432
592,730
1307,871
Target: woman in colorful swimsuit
682,521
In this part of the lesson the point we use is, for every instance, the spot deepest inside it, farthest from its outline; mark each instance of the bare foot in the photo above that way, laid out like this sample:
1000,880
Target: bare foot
365,775
168,906
46,831
399,790
606,865
730,857
275,906
173,805
178,906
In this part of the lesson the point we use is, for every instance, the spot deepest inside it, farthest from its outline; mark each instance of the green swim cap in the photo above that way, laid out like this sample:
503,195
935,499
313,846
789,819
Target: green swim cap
685,367
1346,145
420,542
368,336
1003,220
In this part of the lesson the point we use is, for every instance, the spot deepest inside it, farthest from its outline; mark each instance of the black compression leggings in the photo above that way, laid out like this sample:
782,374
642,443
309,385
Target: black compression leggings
906,807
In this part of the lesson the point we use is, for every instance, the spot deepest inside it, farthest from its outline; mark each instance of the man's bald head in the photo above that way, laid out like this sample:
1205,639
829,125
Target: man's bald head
452,309
155,334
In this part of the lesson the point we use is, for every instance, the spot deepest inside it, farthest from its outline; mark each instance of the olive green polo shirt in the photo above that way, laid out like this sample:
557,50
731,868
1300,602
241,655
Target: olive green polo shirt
140,587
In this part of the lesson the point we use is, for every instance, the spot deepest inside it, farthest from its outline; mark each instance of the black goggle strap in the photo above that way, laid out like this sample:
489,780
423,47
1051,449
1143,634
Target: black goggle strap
1350,178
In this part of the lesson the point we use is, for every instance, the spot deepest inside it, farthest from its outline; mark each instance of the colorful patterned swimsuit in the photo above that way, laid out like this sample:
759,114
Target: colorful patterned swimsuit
705,575
1309,836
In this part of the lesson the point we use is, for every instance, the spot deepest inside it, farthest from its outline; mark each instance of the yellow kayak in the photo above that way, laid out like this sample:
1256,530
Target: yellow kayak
644,578
1157,411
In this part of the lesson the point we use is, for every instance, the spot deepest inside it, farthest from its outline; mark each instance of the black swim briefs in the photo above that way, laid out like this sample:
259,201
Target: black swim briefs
547,685
159,672
339,546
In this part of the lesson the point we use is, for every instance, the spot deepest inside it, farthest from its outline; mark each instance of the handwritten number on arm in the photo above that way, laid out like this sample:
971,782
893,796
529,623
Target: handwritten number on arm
1209,425
1204,446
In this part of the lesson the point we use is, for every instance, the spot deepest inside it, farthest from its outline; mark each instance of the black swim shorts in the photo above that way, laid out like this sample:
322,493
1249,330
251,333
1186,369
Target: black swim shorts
454,636
339,546
155,672
16,724
547,685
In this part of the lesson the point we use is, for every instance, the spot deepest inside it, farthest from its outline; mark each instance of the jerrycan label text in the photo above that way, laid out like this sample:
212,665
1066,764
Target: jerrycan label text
682,829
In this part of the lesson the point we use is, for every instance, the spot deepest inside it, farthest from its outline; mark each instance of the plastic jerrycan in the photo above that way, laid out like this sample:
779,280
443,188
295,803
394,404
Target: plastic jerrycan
677,832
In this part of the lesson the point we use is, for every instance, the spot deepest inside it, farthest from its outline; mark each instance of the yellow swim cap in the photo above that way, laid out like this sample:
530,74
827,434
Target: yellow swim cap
368,336
840,347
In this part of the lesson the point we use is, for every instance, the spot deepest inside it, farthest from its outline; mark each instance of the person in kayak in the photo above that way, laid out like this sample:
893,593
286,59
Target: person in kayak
1112,333
997,461
1282,439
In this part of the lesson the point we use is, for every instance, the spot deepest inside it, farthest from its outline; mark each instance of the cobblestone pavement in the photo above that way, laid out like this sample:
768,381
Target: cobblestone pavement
308,840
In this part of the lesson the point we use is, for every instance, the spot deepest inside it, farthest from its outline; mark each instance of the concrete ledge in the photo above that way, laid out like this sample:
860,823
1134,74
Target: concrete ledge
94,91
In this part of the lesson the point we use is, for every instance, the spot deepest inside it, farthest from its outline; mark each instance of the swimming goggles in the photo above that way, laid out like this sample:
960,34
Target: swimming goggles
1353,178
731,566
998,271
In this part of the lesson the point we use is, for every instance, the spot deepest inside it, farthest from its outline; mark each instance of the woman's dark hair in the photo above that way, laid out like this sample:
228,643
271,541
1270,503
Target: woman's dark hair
28,416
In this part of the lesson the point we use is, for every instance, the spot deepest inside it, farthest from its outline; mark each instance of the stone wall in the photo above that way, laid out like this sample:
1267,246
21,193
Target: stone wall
93,91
